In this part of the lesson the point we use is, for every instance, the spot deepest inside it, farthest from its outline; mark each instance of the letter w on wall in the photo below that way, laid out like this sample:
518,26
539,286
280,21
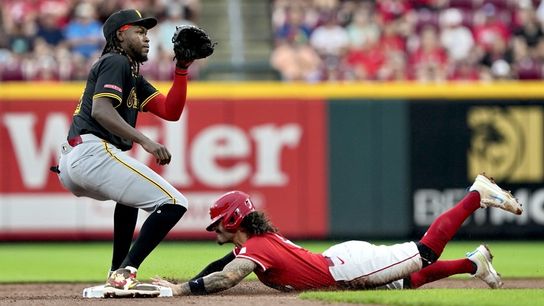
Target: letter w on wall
34,154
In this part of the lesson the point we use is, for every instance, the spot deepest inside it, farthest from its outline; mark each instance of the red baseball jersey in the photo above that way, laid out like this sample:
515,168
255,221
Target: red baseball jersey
284,265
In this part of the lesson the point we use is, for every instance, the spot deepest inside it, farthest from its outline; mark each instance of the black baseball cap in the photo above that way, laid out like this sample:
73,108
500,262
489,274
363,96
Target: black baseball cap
123,17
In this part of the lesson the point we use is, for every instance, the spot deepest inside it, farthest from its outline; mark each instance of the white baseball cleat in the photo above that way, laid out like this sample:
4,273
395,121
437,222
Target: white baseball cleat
123,283
491,195
482,258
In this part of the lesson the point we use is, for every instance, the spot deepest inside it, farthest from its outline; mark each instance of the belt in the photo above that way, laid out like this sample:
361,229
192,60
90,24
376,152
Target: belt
74,141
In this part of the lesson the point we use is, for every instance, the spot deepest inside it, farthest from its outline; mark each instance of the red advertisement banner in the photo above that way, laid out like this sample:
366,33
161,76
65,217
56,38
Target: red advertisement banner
275,150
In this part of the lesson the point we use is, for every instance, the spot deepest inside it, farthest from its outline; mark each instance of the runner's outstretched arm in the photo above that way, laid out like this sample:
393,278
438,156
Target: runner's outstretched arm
231,275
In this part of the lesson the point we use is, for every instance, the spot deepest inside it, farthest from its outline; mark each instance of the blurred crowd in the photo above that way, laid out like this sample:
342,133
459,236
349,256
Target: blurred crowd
314,40
421,40
58,40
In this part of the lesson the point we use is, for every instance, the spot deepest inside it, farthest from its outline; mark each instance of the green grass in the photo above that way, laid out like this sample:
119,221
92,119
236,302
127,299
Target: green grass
433,297
89,262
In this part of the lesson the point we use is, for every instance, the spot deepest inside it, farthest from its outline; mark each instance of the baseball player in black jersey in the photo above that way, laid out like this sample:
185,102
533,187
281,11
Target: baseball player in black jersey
94,163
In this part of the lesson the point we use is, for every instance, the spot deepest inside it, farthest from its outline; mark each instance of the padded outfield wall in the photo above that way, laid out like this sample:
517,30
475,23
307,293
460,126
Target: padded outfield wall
325,161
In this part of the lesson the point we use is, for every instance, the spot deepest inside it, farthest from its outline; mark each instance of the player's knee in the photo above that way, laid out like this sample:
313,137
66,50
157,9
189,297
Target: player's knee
428,256
172,211
181,200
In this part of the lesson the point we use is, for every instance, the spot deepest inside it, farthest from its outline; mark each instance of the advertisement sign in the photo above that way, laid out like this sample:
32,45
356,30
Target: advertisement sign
272,149
453,141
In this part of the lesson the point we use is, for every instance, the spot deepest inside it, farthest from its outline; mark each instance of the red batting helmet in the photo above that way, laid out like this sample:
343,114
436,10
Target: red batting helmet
230,209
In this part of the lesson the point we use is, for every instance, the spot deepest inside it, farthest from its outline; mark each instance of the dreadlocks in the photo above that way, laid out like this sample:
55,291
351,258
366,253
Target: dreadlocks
113,45
256,223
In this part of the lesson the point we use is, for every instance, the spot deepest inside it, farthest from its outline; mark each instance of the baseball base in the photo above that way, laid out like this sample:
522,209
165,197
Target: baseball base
98,292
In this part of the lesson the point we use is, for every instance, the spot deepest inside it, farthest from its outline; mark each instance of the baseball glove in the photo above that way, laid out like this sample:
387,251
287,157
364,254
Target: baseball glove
191,43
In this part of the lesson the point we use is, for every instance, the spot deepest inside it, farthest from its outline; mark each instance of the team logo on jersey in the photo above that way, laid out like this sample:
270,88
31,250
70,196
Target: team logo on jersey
114,87
506,141
132,100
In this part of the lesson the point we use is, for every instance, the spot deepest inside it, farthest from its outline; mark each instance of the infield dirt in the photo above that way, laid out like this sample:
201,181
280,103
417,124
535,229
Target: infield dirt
247,293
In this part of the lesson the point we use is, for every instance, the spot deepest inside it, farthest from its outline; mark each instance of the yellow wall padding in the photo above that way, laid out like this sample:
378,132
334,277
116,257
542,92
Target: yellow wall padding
367,90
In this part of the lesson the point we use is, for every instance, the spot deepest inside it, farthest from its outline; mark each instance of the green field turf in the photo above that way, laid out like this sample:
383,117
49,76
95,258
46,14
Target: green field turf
434,297
89,262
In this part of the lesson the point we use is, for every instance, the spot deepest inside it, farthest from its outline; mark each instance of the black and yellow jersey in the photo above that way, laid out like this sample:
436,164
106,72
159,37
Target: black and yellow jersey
111,77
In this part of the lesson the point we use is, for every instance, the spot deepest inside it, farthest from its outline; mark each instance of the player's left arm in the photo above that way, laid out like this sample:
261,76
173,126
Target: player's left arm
171,106
231,275
216,266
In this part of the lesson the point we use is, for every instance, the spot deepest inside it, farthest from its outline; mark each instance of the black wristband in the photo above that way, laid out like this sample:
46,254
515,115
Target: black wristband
197,286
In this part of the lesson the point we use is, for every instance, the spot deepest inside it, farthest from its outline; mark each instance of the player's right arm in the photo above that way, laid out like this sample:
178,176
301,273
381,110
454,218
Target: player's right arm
231,275
106,115
113,75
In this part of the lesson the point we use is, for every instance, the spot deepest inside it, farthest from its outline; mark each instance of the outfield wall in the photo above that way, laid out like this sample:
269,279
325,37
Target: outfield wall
325,161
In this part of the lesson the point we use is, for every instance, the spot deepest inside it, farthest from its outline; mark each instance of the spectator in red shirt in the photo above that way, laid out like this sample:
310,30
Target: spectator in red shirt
464,70
429,61
283,265
392,9
57,9
391,39
365,61
488,27
18,12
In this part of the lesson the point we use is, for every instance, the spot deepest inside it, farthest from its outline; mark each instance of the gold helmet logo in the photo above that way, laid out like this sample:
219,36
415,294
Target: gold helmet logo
507,142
